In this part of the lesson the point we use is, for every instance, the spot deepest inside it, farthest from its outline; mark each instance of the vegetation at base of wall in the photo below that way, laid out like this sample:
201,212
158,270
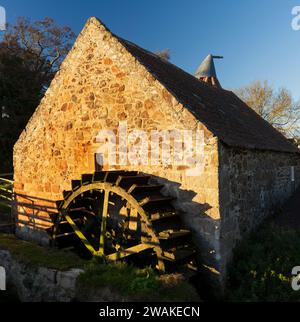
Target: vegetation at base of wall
127,280
136,284
38,256
262,267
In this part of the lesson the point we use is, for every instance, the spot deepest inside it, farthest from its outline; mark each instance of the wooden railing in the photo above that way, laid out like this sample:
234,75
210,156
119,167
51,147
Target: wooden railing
6,201
6,191
26,212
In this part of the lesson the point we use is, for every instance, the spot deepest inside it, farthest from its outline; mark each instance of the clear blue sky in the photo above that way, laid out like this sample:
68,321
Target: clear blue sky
254,36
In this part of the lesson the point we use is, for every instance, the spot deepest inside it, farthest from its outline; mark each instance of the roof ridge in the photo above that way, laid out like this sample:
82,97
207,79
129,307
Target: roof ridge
221,111
166,61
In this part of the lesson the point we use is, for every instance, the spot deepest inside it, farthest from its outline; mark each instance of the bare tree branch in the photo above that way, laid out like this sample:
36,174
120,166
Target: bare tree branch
276,107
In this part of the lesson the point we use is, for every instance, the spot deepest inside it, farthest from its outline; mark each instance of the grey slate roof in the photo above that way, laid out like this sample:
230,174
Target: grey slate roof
221,111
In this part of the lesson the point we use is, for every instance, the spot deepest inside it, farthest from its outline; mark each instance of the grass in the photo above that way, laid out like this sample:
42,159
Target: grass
38,256
136,284
124,279
262,266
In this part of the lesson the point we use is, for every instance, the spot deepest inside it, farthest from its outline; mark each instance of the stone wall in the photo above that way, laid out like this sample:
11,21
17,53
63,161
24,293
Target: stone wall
253,185
26,282
29,283
38,284
100,84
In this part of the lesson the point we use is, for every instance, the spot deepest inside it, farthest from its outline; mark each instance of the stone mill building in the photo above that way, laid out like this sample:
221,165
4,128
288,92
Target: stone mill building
249,167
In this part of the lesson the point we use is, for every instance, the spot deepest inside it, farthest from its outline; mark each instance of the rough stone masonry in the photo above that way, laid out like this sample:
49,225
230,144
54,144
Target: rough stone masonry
104,80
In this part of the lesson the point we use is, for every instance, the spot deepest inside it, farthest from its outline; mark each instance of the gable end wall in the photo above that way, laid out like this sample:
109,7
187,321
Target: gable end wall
99,84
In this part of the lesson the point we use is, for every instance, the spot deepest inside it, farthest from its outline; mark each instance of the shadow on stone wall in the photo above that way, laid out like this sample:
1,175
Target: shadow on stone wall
32,219
209,281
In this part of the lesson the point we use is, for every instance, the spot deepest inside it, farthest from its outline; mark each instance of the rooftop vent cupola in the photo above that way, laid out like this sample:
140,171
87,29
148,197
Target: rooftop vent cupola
206,72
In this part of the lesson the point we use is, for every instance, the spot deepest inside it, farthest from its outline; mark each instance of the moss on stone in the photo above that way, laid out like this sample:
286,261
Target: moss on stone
38,256
125,281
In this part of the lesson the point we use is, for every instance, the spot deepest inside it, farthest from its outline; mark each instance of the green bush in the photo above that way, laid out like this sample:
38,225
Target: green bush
134,283
127,280
262,266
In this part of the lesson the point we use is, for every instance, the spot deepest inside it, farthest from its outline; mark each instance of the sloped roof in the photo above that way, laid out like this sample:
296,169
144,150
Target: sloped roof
221,111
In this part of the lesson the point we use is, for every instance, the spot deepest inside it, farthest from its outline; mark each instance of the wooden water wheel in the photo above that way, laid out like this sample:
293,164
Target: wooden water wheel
119,215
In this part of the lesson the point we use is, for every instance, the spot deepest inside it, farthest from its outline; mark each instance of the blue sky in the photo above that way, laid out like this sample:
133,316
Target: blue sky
255,37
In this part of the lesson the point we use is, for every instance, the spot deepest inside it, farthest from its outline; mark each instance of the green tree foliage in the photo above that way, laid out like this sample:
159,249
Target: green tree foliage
30,55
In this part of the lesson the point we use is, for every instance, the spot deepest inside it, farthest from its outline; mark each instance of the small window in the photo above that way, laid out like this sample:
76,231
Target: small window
98,162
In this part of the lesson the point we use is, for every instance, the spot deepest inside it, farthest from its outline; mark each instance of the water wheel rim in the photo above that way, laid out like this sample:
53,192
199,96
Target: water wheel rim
109,188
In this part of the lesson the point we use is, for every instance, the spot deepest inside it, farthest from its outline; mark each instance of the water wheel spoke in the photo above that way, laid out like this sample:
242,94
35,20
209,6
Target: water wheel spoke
103,223
129,251
117,214
77,231
133,219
